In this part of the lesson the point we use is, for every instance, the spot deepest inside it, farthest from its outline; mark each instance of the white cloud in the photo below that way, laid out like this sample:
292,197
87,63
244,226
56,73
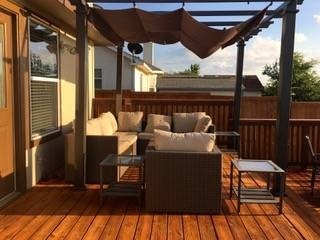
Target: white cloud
258,52
317,18
300,38
262,51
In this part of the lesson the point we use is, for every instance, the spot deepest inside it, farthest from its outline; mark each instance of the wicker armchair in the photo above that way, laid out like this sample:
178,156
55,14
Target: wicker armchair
187,182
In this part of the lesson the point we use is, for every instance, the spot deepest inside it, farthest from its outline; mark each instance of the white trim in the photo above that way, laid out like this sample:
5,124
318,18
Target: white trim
44,79
39,136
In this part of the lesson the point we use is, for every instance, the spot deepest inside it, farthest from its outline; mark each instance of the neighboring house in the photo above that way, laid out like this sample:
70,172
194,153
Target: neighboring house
140,76
37,88
222,85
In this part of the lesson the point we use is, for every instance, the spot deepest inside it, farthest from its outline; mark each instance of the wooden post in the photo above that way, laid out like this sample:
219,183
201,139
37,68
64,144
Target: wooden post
119,78
238,86
284,89
81,91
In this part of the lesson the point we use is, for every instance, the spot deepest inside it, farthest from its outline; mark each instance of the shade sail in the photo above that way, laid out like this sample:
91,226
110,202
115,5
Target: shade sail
138,26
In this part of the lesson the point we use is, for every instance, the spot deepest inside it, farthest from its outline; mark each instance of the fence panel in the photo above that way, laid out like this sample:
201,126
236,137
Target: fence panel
257,134
258,141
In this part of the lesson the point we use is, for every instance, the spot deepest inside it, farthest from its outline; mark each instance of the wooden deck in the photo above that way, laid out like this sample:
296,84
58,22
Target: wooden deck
47,212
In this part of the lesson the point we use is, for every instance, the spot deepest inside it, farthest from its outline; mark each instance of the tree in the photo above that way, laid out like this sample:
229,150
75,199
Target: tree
193,70
305,83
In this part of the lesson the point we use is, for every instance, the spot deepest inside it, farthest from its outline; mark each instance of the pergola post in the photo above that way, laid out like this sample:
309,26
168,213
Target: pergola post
119,78
81,91
238,86
284,88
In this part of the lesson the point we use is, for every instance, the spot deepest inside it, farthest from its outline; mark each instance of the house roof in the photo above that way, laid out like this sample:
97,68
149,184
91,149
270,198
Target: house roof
61,14
252,83
140,63
206,83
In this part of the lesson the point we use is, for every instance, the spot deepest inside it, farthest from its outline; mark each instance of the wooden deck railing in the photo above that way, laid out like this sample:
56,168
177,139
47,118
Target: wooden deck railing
257,135
258,139
220,110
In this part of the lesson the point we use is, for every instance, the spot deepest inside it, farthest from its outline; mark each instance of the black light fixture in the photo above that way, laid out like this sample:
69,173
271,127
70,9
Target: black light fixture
134,48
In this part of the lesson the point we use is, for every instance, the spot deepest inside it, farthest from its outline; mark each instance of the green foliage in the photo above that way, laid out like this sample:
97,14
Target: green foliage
193,70
305,82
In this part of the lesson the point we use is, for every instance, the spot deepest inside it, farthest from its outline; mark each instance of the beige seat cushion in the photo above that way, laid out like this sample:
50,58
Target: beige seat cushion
186,122
125,142
130,121
156,121
145,135
109,122
189,142
94,127
203,124
125,134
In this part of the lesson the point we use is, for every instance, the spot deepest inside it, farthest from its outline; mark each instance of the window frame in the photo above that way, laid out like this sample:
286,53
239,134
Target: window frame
57,131
101,78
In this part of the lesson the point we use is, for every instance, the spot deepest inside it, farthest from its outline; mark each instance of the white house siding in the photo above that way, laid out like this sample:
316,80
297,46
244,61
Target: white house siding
45,158
141,81
144,82
106,59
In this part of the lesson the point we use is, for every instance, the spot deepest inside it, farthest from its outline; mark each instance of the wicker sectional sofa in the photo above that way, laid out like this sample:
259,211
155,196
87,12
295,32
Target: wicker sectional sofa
183,182
106,135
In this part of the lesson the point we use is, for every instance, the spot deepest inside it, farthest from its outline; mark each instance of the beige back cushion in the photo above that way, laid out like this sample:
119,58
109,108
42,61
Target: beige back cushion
109,123
130,121
156,121
186,122
94,127
203,124
189,142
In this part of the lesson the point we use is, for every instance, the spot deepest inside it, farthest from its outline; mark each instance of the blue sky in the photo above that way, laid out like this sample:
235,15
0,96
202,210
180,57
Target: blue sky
260,50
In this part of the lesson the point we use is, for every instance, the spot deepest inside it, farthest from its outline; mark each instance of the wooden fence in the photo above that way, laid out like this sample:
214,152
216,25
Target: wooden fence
220,110
251,107
258,139
257,134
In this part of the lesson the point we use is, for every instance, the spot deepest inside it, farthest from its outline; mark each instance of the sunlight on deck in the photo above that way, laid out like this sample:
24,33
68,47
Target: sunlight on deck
63,212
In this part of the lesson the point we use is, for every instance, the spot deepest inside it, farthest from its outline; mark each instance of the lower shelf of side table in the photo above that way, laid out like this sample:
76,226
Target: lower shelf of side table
255,195
123,190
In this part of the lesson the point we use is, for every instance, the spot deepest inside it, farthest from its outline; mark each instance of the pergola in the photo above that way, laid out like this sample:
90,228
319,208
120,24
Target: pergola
286,11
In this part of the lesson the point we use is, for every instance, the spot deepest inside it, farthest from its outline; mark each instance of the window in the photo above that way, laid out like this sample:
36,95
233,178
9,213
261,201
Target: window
44,79
98,78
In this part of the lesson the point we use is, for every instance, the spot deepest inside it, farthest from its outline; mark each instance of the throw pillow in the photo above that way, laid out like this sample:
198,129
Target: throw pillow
156,121
109,123
203,124
190,142
130,121
186,122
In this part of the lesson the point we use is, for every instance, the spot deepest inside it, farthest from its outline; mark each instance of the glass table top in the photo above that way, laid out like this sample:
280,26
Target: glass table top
122,160
248,165
227,133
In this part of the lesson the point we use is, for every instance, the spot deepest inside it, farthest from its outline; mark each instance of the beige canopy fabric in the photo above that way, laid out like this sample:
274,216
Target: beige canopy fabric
138,26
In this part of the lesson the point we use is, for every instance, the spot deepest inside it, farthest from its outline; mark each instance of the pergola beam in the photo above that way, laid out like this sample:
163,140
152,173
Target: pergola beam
279,12
284,89
188,1
222,13
238,86
231,23
81,92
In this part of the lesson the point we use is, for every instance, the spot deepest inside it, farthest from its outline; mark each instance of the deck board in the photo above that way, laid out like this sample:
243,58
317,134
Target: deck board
63,212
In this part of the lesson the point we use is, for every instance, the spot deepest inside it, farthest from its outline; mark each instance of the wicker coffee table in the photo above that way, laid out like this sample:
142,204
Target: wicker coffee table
256,195
122,188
